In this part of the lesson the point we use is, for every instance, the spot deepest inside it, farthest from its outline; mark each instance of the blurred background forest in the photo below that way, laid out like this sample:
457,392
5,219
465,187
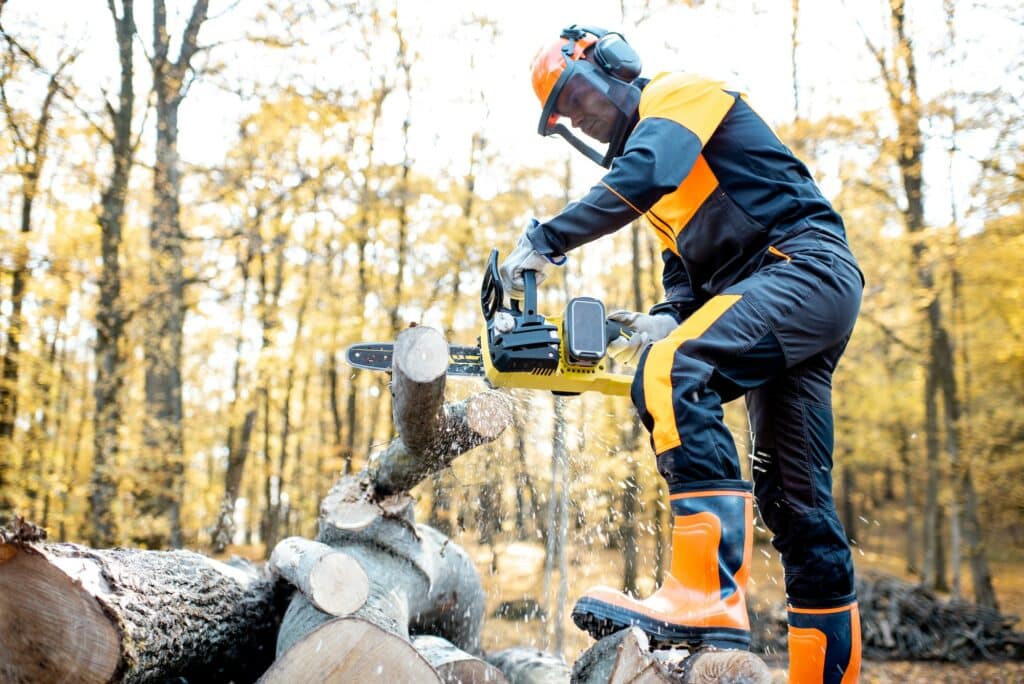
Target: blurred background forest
202,204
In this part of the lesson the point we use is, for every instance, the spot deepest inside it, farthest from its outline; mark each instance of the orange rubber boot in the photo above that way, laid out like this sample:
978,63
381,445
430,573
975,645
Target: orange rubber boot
824,645
703,598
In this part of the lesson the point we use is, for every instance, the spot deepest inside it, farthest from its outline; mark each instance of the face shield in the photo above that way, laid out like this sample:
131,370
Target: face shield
595,102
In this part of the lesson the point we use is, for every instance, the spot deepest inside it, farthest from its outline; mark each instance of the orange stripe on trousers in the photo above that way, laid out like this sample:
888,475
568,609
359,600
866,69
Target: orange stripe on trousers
658,370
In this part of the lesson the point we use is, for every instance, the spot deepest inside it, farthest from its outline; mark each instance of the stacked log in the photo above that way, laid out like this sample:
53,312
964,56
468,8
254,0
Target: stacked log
375,597
70,613
374,579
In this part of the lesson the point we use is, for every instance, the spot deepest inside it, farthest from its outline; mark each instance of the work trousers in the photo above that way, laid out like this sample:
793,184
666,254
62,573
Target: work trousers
775,337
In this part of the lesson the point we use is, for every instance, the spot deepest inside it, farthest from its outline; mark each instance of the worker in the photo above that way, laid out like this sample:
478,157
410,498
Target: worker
761,295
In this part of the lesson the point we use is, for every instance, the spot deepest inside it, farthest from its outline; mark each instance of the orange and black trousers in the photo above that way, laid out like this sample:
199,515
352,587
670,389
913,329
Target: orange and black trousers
775,337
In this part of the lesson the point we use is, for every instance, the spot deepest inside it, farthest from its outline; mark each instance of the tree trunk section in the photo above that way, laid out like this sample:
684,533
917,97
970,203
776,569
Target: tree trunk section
625,658
455,666
530,666
69,613
350,650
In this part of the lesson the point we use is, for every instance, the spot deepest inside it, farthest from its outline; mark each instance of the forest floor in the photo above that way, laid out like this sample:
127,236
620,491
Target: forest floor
513,575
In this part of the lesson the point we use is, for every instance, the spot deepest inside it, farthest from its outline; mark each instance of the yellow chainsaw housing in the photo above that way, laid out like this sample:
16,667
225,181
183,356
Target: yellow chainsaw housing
566,379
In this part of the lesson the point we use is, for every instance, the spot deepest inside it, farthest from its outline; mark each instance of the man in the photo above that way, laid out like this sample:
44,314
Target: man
761,295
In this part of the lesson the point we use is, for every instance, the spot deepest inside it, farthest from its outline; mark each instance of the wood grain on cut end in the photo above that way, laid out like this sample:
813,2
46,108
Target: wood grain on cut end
350,650
736,667
488,413
51,628
351,516
421,353
338,584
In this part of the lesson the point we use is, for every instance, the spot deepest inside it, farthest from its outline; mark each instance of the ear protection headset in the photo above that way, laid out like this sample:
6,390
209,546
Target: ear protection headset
611,52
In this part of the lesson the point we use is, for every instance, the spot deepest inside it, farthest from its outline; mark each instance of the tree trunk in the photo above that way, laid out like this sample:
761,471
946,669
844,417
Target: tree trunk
130,615
910,507
164,464
110,316
239,432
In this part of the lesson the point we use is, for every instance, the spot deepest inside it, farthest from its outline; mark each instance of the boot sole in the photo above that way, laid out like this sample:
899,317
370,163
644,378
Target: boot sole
600,619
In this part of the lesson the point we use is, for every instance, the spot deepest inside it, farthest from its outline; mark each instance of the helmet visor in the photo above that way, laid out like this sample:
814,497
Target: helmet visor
601,104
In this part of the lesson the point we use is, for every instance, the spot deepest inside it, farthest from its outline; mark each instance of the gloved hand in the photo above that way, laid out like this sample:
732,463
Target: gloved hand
523,258
646,329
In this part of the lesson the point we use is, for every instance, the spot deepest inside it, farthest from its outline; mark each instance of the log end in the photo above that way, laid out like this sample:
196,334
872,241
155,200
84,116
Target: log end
338,584
421,354
489,413
350,650
51,627
739,667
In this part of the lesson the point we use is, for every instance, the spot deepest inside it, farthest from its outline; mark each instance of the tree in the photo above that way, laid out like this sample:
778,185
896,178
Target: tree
164,461
110,312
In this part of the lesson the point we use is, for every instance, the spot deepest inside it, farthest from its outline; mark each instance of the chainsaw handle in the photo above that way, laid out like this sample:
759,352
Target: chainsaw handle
613,330
529,293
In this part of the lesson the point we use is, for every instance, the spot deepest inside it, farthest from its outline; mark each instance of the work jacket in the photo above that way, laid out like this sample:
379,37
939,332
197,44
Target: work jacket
719,188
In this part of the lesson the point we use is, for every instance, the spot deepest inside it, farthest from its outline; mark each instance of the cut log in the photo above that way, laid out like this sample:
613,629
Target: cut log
418,367
69,613
455,666
625,658
419,582
344,650
333,581
458,428
530,666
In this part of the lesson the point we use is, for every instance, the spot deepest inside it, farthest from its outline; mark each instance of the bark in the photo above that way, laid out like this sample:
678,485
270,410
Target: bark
130,615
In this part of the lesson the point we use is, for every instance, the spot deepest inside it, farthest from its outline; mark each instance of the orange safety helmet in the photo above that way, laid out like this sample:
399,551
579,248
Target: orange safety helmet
574,56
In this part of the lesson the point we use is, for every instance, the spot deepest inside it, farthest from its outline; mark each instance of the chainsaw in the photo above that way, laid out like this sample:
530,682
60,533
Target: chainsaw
519,347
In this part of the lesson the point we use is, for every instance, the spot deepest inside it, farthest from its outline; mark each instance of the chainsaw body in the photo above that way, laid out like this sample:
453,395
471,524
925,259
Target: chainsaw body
564,354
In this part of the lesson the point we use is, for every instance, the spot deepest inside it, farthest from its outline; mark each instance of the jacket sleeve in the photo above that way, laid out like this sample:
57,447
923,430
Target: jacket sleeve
657,157
680,299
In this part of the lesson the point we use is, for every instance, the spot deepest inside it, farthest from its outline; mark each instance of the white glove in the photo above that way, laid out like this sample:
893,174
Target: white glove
646,329
523,258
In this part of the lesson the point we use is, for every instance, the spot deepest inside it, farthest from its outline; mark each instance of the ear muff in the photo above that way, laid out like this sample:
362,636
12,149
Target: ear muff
611,52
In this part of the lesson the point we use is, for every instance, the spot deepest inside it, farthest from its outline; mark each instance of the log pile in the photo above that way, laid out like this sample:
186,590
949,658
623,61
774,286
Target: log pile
902,621
375,597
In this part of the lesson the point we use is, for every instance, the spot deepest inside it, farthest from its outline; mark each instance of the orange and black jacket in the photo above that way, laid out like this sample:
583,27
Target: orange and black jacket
715,183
